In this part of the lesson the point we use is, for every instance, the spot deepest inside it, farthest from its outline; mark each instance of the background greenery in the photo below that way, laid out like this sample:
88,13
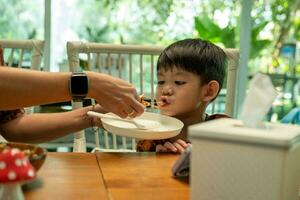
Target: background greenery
274,23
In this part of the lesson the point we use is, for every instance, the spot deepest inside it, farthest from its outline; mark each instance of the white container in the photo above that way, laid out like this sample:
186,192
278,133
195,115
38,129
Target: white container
233,162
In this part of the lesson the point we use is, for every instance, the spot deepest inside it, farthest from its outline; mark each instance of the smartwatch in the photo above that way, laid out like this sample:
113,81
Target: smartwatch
78,86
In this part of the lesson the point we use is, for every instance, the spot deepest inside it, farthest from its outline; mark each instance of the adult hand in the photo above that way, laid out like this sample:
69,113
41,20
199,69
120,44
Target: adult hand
114,95
176,147
96,121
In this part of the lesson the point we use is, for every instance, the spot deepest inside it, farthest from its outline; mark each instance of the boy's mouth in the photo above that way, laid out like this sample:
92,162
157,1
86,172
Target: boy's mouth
163,102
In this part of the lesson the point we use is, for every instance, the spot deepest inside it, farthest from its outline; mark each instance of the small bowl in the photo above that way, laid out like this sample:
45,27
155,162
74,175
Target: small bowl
36,154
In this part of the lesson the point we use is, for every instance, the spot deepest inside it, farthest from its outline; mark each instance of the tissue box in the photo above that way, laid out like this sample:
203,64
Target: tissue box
233,162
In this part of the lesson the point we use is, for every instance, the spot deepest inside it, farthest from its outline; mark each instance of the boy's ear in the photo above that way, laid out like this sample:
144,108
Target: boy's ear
210,91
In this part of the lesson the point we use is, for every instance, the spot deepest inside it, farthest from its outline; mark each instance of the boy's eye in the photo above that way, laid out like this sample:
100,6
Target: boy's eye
179,82
160,82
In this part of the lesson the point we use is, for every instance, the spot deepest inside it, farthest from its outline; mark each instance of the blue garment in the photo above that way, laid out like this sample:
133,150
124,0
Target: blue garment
292,117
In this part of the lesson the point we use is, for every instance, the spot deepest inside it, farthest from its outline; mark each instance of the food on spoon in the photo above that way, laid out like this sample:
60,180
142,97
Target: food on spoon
147,102
144,102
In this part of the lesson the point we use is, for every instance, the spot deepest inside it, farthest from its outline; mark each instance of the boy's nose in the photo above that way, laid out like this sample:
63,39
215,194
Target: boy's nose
167,91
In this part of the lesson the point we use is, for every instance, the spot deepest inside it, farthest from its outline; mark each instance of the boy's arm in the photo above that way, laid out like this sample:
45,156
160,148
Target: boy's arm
36,128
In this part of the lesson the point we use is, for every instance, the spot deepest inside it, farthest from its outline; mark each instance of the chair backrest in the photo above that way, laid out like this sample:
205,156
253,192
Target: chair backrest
21,47
233,56
21,51
136,64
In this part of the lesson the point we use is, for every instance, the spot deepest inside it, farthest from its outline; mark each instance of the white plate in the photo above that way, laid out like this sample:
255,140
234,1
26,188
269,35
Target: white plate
167,126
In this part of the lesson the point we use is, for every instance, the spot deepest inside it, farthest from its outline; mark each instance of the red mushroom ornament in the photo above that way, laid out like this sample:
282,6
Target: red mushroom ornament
15,169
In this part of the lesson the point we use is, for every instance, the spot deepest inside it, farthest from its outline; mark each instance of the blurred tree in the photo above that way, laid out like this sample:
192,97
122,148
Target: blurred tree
273,22
21,19
129,21
162,22
209,30
286,25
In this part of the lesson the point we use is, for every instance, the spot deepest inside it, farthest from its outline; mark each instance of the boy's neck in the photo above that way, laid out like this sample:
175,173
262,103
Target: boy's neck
193,117
190,119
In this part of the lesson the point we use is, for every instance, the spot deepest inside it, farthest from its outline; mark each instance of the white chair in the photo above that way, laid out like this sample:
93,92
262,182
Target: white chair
33,47
136,64
26,53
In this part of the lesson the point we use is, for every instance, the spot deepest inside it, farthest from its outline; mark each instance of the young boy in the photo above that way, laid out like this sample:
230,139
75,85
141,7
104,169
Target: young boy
190,75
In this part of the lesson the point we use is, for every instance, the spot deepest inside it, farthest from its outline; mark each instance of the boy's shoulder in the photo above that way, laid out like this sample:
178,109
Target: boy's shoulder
216,116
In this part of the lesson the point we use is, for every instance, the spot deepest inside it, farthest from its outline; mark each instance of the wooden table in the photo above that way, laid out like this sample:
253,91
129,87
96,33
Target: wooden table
141,176
69,176
114,176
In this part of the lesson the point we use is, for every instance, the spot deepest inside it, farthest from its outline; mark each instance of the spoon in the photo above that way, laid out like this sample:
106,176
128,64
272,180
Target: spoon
130,120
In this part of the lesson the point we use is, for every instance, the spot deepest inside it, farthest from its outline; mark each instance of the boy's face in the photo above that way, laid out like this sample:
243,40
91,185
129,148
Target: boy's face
178,91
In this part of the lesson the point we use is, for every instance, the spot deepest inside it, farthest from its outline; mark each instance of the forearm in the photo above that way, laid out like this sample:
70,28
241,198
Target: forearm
22,88
38,128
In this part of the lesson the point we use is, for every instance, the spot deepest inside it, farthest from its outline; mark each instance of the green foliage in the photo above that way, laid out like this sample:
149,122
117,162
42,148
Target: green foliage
161,8
209,30
157,22
257,44
124,21
19,23
95,35
280,9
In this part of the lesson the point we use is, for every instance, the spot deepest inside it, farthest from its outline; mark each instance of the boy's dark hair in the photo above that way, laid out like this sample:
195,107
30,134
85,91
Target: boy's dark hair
197,56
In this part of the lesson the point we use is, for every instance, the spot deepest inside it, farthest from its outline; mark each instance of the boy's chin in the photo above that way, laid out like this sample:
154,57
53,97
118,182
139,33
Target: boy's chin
168,113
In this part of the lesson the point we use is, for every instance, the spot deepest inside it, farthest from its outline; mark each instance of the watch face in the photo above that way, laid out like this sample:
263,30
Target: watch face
79,84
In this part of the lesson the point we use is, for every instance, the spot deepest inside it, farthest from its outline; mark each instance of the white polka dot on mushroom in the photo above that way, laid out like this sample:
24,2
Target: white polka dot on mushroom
30,173
14,151
2,165
18,162
12,175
